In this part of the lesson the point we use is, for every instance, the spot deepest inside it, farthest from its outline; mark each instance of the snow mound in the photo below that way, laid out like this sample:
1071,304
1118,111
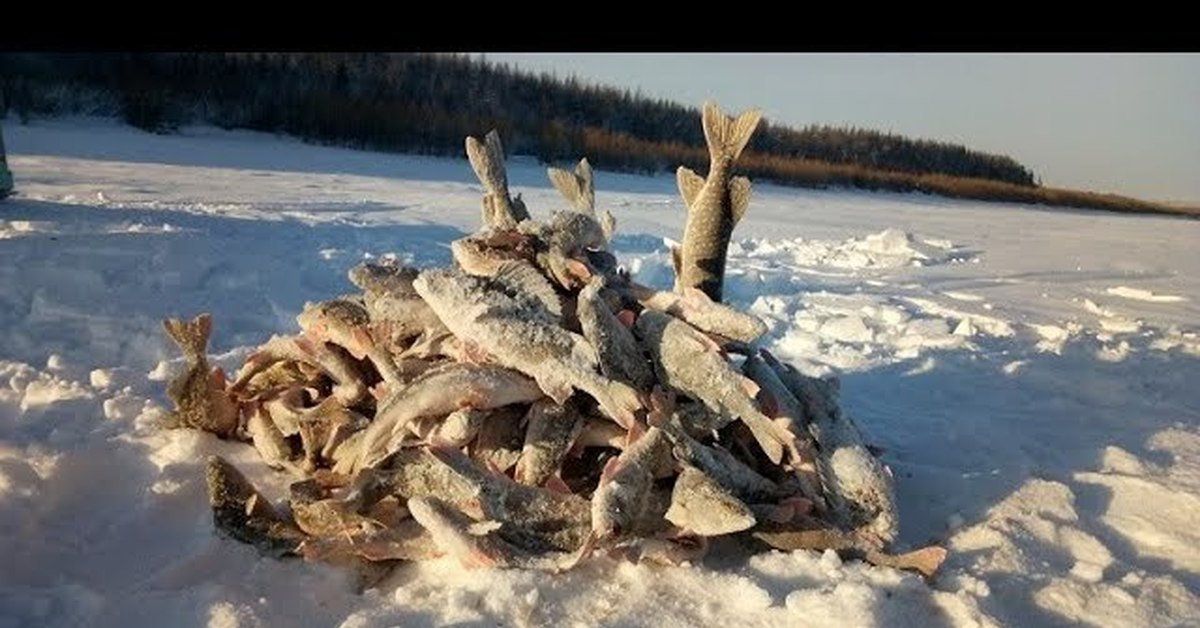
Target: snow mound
890,248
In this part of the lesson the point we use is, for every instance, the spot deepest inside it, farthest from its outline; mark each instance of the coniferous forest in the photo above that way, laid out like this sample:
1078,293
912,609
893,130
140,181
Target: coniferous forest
427,103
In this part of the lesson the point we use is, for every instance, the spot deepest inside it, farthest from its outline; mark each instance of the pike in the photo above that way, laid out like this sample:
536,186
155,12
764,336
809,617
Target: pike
702,506
396,311
242,513
346,324
525,336
551,430
804,454
858,488
697,309
476,543
441,391
349,387
534,517
688,362
715,204
199,394
620,356
624,490
722,466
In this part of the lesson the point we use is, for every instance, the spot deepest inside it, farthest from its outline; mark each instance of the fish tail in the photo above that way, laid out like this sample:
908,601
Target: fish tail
577,187
487,159
191,336
727,136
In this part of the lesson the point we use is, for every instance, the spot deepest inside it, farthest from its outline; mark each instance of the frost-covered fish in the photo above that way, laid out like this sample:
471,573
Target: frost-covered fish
487,159
268,440
535,518
688,361
396,311
476,543
698,310
551,429
242,513
201,400
454,430
484,253
523,336
621,357
725,468
440,392
348,388
700,505
407,540
716,203
803,455
498,444
858,488
622,496
346,324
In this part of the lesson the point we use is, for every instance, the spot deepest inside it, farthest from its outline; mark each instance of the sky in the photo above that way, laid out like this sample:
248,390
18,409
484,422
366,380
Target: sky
1122,123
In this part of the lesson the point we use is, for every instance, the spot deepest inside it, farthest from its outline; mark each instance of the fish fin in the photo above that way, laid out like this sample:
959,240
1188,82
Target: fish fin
578,269
925,561
677,260
487,159
610,469
217,378
727,136
556,484
636,431
362,340
585,550
587,182
739,197
621,403
608,225
191,336
557,388
690,184
662,405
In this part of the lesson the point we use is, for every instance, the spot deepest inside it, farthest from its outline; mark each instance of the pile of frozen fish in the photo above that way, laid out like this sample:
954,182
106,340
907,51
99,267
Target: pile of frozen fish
532,406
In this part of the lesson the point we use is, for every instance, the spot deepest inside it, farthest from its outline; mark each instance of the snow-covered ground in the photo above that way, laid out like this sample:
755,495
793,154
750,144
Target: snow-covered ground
1033,376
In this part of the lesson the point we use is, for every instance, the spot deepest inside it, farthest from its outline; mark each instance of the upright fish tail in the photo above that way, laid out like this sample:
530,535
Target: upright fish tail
487,159
577,187
191,336
727,136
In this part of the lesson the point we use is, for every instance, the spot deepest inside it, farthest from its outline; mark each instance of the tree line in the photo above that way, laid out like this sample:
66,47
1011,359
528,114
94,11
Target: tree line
427,103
